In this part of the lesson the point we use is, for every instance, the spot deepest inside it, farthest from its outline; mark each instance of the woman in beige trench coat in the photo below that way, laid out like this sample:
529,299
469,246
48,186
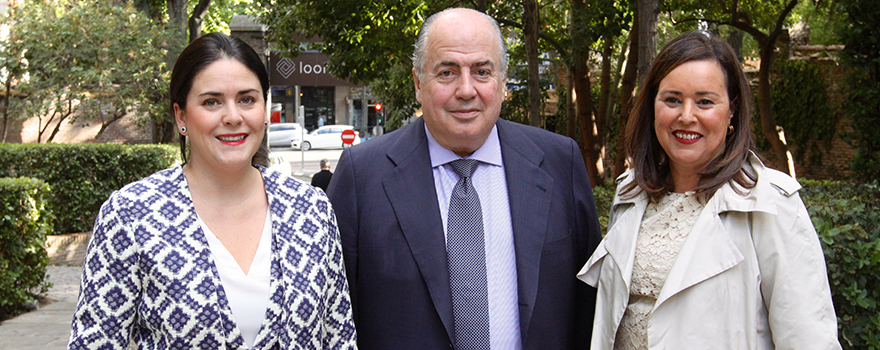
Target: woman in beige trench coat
706,248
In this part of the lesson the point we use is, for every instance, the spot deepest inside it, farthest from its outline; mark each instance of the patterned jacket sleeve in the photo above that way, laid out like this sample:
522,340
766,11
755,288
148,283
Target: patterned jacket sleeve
106,311
338,319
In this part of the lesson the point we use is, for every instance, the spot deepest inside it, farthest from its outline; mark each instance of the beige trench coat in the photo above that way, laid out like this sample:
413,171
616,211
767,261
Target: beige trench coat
750,275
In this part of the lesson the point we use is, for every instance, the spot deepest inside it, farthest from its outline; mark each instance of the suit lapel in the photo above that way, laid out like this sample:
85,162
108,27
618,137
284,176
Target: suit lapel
529,192
410,190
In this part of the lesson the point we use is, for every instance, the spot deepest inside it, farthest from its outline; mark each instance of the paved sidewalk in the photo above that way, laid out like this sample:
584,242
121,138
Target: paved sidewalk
48,328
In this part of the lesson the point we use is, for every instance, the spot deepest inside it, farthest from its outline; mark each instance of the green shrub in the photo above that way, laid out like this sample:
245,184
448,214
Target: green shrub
846,219
24,223
82,176
603,194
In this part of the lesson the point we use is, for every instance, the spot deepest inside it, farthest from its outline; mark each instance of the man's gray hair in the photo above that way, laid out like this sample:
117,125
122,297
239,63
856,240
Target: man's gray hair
325,163
418,57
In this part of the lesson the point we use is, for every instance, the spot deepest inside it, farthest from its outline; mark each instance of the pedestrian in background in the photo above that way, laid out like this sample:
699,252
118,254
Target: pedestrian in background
462,230
706,247
322,178
217,252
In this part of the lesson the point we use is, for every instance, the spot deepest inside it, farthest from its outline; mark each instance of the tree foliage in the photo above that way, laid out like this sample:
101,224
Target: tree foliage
86,58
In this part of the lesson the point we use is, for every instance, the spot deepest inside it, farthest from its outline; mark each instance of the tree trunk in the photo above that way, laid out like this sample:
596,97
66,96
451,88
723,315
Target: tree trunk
198,16
6,99
531,24
105,125
586,122
580,71
647,18
627,85
769,129
736,42
177,17
177,23
570,111
153,12
604,95
57,127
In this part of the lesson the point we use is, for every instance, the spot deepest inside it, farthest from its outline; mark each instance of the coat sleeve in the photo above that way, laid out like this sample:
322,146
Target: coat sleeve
587,238
338,320
343,196
794,282
110,289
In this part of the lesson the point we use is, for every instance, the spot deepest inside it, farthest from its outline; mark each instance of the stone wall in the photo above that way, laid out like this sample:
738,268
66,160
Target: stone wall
836,157
247,29
83,130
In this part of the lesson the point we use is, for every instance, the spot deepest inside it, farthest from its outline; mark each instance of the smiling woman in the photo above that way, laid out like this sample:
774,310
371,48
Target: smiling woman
220,251
706,248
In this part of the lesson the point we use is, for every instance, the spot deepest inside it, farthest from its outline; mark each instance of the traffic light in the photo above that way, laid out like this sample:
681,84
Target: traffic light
378,107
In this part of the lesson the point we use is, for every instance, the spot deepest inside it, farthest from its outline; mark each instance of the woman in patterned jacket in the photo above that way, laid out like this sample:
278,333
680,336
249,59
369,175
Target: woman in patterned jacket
218,253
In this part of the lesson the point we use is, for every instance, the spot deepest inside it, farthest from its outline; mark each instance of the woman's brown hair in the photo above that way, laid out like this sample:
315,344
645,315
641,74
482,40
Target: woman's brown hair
647,157
196,57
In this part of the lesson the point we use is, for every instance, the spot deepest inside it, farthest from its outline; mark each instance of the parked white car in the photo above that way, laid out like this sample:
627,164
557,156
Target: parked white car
328,136
280,134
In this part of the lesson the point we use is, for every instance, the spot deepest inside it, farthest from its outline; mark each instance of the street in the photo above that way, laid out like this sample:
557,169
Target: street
305,164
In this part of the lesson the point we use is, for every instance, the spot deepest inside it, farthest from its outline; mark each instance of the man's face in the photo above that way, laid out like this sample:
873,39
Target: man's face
462,86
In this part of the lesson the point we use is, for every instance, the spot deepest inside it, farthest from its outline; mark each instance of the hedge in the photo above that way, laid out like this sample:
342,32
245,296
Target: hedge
846,219
82,176
24,223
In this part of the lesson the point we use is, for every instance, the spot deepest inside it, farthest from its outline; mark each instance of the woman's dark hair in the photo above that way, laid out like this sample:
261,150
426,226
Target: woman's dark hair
648,158
197,57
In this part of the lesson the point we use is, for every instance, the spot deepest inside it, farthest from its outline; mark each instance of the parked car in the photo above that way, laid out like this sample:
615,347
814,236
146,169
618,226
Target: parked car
328,136
280,134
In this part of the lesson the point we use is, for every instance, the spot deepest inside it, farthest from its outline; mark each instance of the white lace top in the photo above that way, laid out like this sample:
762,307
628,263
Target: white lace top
664,228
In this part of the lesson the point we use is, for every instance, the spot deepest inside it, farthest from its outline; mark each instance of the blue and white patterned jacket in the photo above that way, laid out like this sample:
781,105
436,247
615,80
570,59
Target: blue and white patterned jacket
149,276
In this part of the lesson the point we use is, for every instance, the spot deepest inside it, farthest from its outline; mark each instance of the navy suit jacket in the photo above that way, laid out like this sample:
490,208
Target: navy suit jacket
395,252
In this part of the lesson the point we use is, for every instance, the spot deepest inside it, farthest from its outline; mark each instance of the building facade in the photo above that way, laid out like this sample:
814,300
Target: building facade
305,81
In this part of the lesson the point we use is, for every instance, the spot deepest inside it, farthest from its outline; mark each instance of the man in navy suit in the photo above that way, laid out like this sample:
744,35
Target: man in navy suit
392,202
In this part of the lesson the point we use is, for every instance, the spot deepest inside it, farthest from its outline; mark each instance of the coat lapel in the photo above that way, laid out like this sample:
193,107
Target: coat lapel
620,241
529,189
204,259
275,311
709,250
410,190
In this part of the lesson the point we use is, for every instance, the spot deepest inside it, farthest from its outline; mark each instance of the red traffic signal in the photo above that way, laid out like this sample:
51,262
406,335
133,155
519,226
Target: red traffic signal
378,107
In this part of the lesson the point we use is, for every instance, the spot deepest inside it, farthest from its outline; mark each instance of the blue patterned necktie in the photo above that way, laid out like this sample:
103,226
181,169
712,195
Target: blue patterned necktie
466,260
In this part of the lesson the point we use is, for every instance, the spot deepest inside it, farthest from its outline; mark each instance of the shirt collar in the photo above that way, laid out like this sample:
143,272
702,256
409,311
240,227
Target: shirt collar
489,152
